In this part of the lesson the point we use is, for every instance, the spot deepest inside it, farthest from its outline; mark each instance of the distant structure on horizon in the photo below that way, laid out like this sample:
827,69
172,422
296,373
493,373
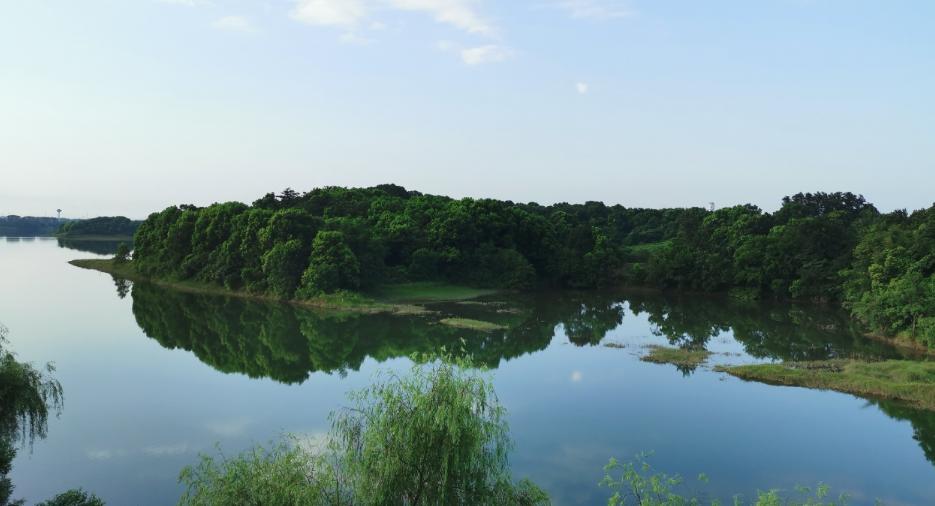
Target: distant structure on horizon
59,211
712,206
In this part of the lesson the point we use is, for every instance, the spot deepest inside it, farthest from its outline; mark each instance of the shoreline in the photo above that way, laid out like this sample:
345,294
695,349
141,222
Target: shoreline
906,382
345,301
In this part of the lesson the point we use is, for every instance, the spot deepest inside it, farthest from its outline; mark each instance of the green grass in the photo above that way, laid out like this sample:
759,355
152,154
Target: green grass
428,292
467,323
907,381
676,356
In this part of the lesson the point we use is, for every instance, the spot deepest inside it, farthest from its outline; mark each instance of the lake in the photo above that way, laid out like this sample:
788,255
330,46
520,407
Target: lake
154,377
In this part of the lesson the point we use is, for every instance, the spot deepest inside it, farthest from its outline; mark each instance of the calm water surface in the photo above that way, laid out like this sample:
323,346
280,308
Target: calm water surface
153,377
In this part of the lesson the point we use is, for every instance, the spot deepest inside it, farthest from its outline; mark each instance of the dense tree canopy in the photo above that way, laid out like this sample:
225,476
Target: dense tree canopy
333,238
832,247
103,226
28,226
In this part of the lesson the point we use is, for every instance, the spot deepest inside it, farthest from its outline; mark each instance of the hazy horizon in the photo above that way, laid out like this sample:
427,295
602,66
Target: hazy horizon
124,108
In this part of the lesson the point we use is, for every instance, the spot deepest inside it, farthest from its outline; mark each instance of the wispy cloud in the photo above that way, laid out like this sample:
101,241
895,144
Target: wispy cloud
458,13
234,24
581,88
491,53
595,9
341,13
190,3
349,14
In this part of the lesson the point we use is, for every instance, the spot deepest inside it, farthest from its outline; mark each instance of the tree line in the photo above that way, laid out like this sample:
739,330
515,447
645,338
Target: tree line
28,226
831,247
299,245
102,226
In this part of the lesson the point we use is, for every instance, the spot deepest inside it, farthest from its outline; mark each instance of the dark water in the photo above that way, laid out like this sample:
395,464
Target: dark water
152,377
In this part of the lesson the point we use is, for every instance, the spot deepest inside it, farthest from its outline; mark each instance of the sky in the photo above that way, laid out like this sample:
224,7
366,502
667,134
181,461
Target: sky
125,107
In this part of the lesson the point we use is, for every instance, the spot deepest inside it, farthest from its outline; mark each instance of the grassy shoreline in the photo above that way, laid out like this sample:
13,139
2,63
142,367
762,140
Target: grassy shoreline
343,301
905,381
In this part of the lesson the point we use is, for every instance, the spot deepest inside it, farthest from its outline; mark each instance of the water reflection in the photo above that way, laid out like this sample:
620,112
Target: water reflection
98,247
288,343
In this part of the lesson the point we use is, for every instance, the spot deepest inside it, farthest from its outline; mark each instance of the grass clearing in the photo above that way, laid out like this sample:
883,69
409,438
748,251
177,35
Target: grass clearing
684,357
467,323
907,381
428,292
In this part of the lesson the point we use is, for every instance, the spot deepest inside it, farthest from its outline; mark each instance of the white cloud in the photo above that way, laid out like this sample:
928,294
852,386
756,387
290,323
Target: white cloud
576,376
458,13
485,54
234,24
346,13
595,9
581,88
190,3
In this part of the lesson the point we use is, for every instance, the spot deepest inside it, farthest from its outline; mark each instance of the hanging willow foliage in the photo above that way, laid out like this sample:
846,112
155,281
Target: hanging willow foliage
27,396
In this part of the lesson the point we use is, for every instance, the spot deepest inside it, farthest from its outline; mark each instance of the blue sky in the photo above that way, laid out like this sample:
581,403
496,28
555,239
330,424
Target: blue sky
127,106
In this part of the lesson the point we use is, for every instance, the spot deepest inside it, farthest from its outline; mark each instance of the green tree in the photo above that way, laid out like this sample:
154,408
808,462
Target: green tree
434,437
282,266
122,255
332,266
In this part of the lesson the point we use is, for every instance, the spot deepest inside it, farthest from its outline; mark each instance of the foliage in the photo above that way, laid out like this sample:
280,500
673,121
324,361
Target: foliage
74,497
100,226
332,266
436,436
27,395
28,226
283,475
638,483
122,255
364,237
827,247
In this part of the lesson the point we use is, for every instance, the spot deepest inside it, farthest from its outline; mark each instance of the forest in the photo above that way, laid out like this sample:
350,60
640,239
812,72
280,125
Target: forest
110,226
28,226
832,248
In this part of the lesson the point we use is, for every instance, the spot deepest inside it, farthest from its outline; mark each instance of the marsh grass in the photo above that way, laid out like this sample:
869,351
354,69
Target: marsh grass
904,381
683,357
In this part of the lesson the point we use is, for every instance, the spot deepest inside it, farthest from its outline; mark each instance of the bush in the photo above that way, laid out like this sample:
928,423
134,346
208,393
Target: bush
74,497
434,437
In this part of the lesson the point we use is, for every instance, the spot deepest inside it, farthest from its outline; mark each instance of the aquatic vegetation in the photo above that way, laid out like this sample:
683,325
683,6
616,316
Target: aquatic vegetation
906,381
638,483
680,357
